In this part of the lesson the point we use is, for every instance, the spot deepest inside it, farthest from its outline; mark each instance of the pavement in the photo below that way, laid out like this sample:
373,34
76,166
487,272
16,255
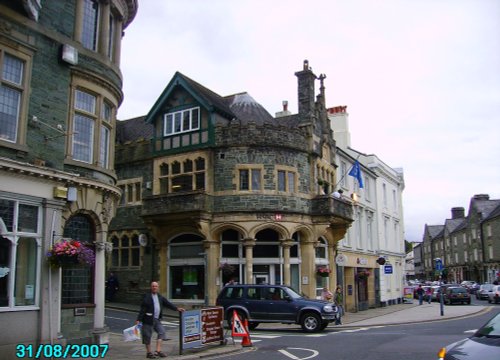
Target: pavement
406,313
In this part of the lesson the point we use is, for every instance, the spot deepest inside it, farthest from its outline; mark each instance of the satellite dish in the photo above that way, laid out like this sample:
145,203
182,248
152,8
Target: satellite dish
143,239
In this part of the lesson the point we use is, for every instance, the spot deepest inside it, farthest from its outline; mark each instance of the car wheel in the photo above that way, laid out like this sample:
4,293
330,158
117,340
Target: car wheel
253,325
310,322
324,325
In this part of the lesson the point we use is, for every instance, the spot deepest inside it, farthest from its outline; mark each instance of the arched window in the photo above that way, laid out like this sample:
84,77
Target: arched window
77,280
322,249
267,245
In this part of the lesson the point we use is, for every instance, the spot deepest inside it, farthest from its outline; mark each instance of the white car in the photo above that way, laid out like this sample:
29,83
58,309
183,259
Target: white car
494,295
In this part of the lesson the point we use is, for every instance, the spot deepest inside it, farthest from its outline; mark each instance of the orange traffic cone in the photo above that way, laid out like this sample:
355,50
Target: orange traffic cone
246,342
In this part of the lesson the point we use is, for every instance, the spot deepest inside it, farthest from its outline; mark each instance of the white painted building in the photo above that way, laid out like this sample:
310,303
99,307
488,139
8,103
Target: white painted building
378,230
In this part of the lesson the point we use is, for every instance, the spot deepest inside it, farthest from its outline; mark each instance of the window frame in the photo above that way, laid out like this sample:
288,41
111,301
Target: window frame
136,197
14,236
101,122
169,177
169,125
287,171
121,249
255,174
25,56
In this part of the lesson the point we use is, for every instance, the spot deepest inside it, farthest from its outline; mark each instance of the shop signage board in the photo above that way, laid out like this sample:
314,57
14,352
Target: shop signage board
201,327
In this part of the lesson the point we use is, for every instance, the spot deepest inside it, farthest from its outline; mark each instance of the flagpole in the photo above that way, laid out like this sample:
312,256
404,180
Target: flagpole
343,176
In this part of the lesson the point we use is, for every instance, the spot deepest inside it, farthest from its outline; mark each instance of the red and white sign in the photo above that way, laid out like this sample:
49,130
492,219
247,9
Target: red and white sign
238,327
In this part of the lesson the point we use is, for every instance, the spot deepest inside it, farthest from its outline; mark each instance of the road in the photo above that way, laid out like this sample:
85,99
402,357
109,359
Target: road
418,341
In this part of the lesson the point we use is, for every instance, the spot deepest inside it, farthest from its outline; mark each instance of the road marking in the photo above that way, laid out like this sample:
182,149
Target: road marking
291,356
470,331
265,336
115,318
170,323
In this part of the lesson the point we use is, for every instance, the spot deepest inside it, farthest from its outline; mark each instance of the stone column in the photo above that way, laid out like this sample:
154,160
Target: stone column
103,41
286,244
100,334
249,243
308,268
332,250
211,270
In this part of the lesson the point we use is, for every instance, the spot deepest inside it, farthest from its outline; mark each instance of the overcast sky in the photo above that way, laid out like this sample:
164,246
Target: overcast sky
420,78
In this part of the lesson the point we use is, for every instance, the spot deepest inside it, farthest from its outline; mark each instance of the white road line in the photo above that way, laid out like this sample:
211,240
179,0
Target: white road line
470,331
265,336
115,318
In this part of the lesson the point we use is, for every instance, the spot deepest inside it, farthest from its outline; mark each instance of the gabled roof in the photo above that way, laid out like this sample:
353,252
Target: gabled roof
494,213
485,207
206,97
435,231
452,225
133,129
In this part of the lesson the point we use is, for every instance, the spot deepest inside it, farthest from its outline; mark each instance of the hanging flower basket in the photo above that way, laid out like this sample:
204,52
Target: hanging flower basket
68,252
227,269
323,271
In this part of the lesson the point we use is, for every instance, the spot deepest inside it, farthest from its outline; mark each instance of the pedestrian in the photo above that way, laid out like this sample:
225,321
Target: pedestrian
112,286
420,294
150,316
339,300
326,294
428,294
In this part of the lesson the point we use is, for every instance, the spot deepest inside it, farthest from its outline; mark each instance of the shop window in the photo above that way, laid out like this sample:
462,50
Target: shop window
187,269
77,280
19,254
267,244
321,249
230,244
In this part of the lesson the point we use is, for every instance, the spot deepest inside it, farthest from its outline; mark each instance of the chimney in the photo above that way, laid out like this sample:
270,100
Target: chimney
481,197
285,111
306,80
457,213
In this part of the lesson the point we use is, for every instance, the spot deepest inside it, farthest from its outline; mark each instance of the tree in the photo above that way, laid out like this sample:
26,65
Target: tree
408,246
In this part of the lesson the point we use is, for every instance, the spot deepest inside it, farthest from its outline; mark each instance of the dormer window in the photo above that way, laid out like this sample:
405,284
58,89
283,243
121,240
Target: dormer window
181,121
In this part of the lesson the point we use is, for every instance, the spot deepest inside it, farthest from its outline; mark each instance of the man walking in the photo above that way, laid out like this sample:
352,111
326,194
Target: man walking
150,316
420,294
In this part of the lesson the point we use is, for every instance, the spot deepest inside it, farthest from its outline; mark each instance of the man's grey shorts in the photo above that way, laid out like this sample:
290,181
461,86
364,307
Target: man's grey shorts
147,331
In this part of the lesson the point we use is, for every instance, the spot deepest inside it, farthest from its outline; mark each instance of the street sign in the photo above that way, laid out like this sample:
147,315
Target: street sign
388,269
439,264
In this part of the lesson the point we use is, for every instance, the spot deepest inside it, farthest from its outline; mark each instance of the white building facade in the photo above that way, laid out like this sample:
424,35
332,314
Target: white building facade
378,229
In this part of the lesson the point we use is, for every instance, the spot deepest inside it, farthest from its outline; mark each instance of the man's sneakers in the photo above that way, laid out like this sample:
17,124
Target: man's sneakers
160,354
151,356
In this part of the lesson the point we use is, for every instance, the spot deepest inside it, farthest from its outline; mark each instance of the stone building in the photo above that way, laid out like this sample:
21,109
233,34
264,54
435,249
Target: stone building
378,228
469,245
217,188
60,87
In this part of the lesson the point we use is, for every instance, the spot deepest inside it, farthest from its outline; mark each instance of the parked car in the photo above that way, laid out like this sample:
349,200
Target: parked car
436,293
472,286
484,344
456,294
275,304
494,294
482,292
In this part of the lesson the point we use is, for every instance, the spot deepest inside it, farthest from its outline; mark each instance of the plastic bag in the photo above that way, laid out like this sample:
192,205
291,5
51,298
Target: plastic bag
132,333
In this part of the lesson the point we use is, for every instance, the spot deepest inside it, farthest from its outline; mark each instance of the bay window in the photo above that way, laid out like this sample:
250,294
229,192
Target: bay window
19,254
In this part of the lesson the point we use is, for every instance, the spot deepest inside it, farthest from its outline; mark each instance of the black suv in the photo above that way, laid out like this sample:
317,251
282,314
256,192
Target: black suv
275,304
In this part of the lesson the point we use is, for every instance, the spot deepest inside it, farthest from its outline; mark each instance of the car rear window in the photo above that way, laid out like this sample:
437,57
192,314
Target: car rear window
458,290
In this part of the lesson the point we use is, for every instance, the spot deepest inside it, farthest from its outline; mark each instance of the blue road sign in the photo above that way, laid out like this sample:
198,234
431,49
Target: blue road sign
388,269
439,264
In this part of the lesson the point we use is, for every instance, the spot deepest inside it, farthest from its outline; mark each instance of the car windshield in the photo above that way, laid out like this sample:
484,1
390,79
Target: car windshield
487,287
492,328
459,290
292,293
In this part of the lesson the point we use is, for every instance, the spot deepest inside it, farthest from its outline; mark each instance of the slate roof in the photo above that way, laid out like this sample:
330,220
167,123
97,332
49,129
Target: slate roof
133,129
486,207
246,109
435,230
454,224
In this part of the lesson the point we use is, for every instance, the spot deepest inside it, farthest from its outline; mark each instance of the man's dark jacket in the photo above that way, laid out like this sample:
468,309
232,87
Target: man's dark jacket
147,310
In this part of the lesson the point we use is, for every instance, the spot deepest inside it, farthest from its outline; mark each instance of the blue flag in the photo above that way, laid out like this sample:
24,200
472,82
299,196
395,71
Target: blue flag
356,172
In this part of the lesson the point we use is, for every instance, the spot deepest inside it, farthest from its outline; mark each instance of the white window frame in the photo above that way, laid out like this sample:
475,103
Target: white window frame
169,120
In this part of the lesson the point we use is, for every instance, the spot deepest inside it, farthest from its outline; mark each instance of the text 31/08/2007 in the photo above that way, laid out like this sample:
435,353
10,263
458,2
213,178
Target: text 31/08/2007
61,351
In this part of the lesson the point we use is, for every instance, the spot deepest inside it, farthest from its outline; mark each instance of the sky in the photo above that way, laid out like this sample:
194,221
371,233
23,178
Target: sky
420,78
